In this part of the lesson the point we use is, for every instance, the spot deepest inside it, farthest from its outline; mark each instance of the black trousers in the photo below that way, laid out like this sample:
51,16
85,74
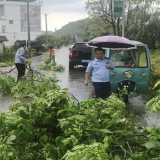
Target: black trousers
21,70
102,89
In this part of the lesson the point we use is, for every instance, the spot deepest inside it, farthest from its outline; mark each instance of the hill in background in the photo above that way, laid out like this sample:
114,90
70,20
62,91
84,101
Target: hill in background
76,29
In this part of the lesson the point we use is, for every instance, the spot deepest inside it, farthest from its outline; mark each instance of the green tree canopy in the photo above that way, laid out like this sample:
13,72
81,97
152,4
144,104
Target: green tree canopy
140,15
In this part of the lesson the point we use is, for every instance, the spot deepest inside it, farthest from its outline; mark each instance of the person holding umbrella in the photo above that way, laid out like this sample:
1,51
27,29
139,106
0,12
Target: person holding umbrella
99,68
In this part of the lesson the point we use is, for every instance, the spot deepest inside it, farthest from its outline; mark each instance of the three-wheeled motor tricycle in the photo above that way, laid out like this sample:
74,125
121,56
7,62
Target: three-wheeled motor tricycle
132,68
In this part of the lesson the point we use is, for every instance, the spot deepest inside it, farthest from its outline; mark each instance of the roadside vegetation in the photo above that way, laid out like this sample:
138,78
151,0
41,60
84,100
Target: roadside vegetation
154,94
155,59
51,65
8,54
142,21
56,41
7,57
155,74
47,122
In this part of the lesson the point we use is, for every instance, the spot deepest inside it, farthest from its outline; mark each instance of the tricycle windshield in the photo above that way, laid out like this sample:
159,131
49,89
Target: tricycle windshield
130,58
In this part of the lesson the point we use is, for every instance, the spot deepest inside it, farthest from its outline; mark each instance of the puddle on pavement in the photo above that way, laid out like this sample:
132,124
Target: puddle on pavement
5,101
74,81
139,114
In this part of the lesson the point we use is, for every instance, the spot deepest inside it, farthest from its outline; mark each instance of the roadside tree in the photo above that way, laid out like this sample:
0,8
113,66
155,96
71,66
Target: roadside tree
140,18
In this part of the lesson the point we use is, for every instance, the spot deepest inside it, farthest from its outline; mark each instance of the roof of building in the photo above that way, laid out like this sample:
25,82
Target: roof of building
3,38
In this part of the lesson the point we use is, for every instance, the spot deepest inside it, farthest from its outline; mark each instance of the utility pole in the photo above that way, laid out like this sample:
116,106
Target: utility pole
123,19
46,30
29,47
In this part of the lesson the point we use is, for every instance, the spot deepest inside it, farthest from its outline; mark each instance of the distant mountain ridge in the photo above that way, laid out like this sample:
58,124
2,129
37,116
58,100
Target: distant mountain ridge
76,28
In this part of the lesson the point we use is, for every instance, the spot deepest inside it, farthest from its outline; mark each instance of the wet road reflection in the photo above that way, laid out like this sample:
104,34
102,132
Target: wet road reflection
5,101
138,112
73,79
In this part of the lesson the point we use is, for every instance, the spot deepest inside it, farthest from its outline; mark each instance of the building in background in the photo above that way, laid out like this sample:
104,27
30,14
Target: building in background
2,40
13,20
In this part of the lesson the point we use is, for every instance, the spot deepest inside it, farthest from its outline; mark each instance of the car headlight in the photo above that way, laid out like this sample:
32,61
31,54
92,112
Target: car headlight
128,74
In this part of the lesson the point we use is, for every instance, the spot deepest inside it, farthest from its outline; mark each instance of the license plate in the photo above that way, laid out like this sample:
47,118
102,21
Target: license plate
86,61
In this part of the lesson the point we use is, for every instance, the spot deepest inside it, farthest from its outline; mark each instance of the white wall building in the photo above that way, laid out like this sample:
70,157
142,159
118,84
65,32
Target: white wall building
13,20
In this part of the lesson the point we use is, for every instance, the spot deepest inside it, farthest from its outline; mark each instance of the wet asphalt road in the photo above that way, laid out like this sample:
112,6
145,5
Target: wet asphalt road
74,81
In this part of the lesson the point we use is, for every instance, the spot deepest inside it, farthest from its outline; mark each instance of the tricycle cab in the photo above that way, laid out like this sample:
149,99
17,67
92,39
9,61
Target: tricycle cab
132,68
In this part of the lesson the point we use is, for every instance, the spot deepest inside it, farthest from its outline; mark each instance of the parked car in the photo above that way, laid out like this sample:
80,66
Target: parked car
19,42
79,54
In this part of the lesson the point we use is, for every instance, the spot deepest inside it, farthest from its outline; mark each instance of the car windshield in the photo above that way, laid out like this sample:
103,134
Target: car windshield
129,58
80,45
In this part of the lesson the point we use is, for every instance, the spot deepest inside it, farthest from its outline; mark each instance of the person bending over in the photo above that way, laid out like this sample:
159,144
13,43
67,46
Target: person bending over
21,61
52,54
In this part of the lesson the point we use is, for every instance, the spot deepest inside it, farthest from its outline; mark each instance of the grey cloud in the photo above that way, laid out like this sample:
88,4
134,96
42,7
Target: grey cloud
64,9
58,2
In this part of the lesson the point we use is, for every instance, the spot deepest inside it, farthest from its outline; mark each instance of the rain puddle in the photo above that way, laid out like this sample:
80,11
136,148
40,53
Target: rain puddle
5,101
139,114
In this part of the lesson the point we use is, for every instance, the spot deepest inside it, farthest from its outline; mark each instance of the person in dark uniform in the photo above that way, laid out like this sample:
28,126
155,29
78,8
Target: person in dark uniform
99,68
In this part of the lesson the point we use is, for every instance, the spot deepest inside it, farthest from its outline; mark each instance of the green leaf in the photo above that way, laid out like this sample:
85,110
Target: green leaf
46,120
79,147
157,84
103,156
95,115
65,110
117,157
10,154
121,120
11,138
150,144
59,140
43,139
122,142
23,114
104,130
91,141
93,158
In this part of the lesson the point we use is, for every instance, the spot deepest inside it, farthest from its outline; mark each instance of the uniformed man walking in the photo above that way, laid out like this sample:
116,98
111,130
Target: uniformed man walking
99,68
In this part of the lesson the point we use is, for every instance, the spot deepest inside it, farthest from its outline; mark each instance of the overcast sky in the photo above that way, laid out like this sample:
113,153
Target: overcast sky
61,12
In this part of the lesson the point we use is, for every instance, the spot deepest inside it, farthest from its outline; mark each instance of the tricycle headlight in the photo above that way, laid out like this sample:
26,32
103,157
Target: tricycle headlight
128,74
